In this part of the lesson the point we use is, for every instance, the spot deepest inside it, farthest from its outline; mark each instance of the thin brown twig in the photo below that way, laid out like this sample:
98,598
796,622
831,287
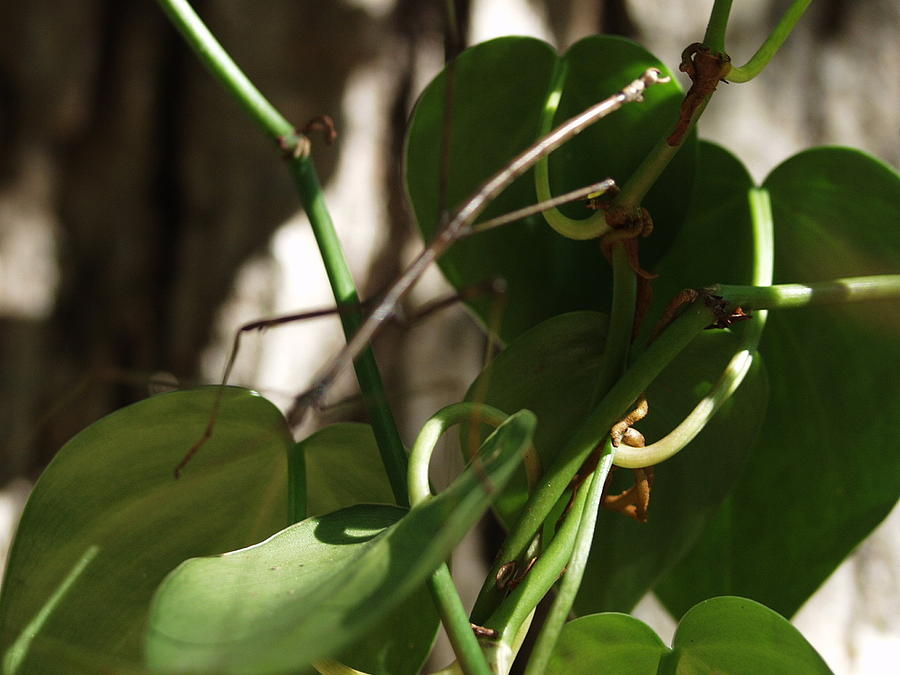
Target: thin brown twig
461,219
546,205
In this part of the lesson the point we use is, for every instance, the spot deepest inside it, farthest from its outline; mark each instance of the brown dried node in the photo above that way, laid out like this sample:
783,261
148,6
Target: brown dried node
725,316
635,501
706,69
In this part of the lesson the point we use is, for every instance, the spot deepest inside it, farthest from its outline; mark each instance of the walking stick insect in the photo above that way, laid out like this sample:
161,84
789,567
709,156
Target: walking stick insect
460,224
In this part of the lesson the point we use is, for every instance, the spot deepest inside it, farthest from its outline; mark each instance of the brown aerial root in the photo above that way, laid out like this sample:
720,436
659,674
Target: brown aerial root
635,501
323,124
619,429
706,69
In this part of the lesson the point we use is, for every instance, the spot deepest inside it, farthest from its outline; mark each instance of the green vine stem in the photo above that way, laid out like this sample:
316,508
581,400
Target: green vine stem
662,153
571,582
714,38
772,44
621,323
446,598
586,228
739,364
296,145
792,296
587,437
515,609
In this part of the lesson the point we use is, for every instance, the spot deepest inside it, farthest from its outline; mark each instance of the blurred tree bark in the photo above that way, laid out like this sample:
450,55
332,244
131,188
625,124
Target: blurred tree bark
159,186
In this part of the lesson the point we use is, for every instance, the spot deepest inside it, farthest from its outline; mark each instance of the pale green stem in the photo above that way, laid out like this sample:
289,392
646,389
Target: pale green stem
718,22
773,43
739,365
621,323
792,296
587,228
446,598
518,605
571,582
220,64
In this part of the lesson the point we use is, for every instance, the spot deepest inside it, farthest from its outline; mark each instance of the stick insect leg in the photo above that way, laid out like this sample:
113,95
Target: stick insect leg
263,324
258,325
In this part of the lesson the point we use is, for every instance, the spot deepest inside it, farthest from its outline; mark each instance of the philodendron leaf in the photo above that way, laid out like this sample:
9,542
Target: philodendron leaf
825,471
320,584
728,635
107,521
551,370
607,643
343,468
500,90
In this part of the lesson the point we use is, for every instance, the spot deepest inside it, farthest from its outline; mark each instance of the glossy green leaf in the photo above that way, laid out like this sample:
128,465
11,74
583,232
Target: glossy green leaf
318,585
343,468
551,370
825,471
607,643
500,89
107,521
727,635
741,637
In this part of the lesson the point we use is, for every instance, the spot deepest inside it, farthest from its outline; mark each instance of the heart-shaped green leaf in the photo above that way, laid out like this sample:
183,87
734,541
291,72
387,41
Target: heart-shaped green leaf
500,90
722,635
107,521
343,468
607,643
824,472
551,370
318,585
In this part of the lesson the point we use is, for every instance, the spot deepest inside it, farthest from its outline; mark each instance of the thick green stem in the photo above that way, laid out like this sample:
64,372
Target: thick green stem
264,114
621,323
393,455
792,296
773,43
718,22
443,590
571,582
587,437
456,622
515,609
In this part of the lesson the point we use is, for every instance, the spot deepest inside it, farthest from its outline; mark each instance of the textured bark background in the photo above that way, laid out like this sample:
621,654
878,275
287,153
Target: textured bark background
136,200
